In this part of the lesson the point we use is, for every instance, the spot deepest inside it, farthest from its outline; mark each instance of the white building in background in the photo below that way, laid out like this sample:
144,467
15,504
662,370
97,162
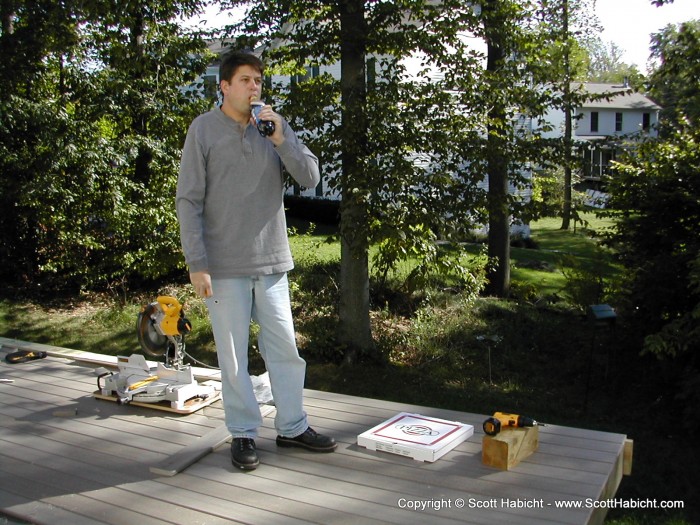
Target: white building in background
603,127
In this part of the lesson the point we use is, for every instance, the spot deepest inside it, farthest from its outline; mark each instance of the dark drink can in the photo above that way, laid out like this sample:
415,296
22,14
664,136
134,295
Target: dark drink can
265,127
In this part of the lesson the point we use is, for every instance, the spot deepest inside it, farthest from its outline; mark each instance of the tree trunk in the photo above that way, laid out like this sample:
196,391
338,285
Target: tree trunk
7,13
497,165
354,330
566,209
142,163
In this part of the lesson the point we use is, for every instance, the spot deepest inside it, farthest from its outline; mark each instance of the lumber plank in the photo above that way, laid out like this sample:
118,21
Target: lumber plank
191,453
190,407
9,344
197,450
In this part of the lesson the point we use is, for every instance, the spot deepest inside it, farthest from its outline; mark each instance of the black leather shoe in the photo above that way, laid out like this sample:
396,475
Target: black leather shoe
243,454
309,440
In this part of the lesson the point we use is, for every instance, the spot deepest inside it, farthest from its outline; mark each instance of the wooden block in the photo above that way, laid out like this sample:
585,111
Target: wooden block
509,447
627,454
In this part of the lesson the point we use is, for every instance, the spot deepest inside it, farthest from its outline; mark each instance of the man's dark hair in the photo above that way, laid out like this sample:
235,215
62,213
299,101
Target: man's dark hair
235,59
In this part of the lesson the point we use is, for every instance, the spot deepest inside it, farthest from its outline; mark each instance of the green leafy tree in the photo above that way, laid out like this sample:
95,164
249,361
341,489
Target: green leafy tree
657,192
674,81
36,37
145,60
656,200
656,197
90,137
606,66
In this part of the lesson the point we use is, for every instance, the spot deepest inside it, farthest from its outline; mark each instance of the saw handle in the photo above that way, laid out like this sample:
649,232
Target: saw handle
174,323
170,305
101,375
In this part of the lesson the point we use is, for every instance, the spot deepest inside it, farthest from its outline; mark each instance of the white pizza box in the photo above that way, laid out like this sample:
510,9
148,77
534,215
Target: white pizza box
420,437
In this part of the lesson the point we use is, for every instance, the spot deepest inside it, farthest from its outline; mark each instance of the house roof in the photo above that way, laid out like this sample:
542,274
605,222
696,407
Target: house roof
621,97
219,46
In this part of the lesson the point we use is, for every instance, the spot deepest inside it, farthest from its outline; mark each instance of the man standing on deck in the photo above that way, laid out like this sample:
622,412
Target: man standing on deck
234,238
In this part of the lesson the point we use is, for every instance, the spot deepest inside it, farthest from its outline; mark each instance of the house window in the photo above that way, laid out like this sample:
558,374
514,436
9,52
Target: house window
210,86
594,121
311,72
371,71
646,121
618,121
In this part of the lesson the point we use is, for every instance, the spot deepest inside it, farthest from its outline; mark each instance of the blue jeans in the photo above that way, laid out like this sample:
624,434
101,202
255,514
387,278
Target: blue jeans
264,299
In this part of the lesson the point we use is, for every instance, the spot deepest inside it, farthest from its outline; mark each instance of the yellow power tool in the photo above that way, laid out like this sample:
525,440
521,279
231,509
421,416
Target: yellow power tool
501,420
161,328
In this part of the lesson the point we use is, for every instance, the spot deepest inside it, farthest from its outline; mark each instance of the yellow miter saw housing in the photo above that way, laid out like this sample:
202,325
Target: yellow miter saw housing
161,328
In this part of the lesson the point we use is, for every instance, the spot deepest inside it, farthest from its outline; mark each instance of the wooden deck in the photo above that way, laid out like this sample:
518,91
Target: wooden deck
68,458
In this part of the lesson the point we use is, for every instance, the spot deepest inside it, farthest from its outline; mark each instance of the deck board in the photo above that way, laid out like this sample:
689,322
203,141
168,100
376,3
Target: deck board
66,457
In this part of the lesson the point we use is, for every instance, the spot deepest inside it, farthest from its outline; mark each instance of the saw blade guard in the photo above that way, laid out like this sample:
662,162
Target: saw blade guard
160,326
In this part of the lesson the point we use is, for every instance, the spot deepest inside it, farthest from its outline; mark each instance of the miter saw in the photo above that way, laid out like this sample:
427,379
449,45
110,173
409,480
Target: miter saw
161,327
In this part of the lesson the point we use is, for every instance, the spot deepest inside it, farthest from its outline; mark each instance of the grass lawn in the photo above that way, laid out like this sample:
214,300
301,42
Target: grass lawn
534,355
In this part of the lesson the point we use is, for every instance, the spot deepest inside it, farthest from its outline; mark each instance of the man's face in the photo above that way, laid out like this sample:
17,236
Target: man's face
244,86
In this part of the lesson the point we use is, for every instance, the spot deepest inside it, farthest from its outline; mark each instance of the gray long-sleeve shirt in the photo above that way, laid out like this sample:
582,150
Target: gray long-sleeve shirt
230,196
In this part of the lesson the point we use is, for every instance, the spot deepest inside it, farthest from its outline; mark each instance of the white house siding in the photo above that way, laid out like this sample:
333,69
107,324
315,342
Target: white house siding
632,122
